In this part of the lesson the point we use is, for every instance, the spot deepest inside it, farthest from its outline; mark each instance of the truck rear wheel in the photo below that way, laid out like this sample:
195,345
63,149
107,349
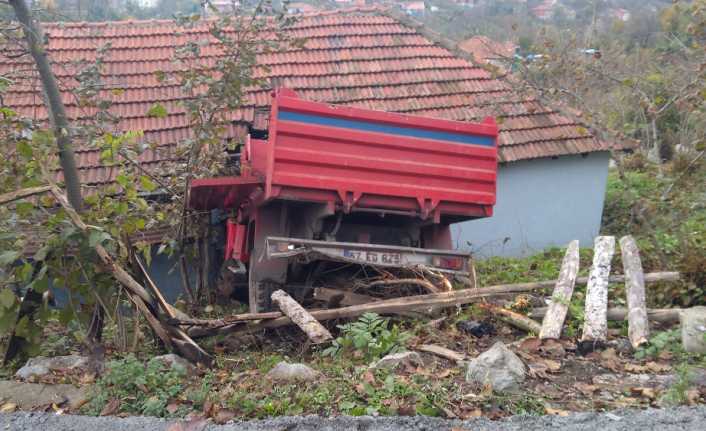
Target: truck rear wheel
261,294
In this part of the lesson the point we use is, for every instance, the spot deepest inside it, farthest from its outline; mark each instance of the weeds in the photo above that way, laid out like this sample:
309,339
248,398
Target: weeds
138,388
677,392
369,337
665,341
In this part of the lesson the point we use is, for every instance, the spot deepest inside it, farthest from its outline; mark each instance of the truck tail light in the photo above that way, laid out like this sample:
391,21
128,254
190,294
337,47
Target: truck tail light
447,262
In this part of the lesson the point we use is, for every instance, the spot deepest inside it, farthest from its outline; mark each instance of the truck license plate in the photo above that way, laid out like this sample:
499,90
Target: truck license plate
374,257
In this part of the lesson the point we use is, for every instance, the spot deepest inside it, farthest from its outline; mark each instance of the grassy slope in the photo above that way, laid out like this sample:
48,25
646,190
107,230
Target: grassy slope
671,232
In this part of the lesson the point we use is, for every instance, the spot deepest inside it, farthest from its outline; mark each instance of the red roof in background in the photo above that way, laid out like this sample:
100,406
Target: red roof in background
354,57
484,48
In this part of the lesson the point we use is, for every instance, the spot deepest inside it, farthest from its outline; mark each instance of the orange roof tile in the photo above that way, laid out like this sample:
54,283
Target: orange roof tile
355,57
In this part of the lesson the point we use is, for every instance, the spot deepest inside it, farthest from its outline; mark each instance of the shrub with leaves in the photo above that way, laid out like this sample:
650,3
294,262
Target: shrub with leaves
137,388
371,336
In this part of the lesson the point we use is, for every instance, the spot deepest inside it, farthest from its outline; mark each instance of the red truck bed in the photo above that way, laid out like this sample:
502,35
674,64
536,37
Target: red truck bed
361,158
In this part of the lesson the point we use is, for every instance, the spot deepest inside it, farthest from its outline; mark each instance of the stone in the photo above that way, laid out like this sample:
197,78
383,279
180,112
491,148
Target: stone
41,365
30,396
499,367
693,329
286,372
177,363
393,360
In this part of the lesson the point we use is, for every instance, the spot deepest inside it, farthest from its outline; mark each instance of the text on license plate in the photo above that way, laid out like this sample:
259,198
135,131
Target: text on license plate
374,257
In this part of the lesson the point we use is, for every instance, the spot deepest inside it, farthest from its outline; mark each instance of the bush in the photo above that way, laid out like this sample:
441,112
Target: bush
670,228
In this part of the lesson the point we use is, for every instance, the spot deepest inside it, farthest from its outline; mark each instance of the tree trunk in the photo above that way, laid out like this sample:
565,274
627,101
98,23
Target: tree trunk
638,326
564,289
57,114
595,328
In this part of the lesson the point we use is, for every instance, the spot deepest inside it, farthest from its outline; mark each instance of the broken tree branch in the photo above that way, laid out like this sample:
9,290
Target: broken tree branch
311,327
638,326
137,293
564,289
442,352
595,328
22,193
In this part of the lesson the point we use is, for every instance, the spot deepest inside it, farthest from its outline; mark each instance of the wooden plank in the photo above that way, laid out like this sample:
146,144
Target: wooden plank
311,327
595,328
563,290
638,325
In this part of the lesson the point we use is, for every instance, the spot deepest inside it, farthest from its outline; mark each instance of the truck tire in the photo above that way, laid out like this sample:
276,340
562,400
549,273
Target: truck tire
263,295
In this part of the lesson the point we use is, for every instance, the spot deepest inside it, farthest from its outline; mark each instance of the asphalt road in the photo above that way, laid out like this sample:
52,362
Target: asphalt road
681,418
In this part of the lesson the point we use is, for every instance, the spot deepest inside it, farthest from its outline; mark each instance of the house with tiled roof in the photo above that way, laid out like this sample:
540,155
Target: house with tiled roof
486,50
552,174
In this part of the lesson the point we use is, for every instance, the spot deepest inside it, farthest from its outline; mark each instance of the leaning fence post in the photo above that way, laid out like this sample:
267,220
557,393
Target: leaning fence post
595,328
561,297
638,326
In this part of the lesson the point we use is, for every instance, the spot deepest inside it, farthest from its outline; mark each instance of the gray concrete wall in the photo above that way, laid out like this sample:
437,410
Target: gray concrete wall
540,203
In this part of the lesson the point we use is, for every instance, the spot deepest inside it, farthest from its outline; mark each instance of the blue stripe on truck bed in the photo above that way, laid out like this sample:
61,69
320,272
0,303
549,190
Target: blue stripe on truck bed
369,126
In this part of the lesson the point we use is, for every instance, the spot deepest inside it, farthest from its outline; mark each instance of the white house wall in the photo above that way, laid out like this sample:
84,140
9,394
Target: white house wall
540,203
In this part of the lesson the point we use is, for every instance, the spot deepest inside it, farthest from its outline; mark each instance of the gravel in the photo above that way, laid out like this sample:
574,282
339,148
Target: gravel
680,418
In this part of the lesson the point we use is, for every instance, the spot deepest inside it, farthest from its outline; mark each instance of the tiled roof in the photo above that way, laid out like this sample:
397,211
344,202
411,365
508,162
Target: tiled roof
357,57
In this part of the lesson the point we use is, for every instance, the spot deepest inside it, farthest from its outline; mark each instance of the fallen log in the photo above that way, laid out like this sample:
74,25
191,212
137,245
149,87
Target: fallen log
595,328
302,318
442,352
638,326
660,315
515,319
561,297
239,323
137,293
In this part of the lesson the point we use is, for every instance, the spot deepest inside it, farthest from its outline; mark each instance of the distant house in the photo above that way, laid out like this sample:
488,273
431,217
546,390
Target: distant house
552,175
620,14
224,5
544,9
486,50
415,8
301,8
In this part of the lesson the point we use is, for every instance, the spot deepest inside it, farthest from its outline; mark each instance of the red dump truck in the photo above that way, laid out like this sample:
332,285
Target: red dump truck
342,184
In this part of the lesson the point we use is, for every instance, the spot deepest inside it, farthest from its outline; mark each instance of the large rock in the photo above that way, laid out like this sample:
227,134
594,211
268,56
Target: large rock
30,396
693,329
41,365
499,367
286,372
395,359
